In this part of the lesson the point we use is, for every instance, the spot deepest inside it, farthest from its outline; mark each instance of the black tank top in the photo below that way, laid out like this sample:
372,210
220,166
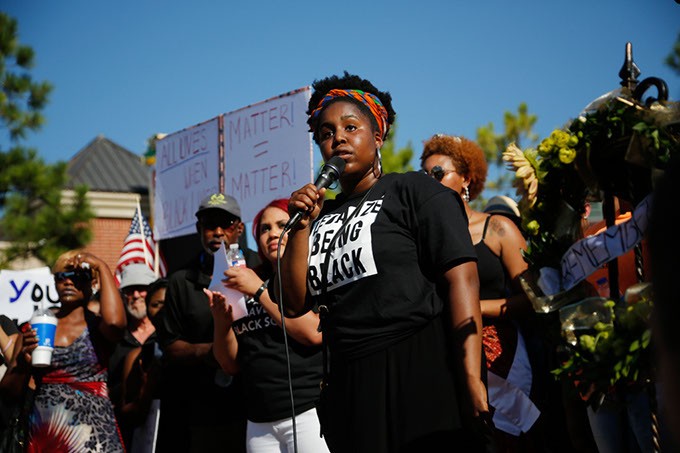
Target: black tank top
492,275
499,335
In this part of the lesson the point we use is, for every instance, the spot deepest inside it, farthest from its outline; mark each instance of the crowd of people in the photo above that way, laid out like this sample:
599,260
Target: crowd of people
388,319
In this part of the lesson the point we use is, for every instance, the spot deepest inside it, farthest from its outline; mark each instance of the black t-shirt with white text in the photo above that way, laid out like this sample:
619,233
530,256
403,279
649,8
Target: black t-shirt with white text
262,358
200,392
383,267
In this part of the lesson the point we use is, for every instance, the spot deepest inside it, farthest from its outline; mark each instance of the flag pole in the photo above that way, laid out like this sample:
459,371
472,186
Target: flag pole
156,261
141,231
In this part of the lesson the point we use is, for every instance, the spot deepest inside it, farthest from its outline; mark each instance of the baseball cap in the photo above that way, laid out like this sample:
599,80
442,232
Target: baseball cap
226,203
136,274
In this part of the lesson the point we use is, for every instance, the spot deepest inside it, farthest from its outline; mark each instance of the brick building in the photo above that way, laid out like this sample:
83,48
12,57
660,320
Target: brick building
117,180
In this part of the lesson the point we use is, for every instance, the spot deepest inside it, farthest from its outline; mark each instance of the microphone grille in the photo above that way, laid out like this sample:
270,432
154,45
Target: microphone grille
337,163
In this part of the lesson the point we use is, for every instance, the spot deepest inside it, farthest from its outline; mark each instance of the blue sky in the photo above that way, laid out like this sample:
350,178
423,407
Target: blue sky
128,69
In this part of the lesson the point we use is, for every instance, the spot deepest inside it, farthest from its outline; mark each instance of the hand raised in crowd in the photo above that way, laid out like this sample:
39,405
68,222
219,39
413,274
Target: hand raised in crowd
89,261
221,311
29,343
242,279
309,200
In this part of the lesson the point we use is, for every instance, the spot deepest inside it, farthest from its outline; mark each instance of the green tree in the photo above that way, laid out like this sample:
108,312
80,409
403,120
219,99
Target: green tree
34,220
395,161
21,98
673,58
518,128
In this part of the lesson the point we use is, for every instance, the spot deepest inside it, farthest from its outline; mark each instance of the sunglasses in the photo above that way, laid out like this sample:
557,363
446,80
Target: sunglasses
438,172
130,290
212,223
84,275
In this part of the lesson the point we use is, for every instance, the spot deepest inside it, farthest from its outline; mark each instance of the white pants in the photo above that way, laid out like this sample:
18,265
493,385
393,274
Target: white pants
277,436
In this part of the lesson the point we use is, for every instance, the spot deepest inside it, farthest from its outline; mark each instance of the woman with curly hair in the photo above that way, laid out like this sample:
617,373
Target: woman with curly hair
460,164
395,289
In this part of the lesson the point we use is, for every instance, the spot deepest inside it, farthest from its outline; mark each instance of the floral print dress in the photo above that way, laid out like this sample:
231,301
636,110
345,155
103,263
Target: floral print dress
72,410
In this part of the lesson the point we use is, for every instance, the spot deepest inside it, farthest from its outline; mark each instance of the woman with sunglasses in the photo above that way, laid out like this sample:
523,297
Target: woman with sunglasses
459,164
391,268
72,410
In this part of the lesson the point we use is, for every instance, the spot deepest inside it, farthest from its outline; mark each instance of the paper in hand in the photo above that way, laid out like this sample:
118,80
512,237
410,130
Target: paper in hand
234,298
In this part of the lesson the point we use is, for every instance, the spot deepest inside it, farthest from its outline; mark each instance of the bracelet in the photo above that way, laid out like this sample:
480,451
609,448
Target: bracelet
260,290
9,345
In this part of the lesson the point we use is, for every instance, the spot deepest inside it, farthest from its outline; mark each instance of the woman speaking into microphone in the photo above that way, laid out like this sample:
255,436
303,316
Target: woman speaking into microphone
391,269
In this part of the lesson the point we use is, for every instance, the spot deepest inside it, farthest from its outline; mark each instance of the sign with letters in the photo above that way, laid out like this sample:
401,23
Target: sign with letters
589,254
187,170
22,292
267,151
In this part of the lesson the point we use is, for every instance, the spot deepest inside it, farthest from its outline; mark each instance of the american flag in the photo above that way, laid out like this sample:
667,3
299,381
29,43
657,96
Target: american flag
139,247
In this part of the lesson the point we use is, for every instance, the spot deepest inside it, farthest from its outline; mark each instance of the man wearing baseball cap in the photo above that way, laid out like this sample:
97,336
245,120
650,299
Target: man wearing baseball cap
135,280
201,407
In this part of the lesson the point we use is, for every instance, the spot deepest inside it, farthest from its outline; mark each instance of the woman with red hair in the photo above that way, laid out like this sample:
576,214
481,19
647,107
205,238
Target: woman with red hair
254,346
459,164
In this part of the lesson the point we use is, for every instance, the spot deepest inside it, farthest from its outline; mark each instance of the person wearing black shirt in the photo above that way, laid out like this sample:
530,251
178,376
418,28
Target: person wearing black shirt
391,267
134,282
254,345
459,164
201,406
9,336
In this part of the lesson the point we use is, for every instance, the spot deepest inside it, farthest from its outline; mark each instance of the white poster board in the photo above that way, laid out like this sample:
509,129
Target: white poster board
187,170
268,151
21,292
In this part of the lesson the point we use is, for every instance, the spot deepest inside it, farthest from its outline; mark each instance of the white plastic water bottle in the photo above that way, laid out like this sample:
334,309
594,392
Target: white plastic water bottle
235,256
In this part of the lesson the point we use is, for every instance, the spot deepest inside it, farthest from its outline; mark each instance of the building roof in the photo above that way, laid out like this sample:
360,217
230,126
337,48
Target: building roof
105,166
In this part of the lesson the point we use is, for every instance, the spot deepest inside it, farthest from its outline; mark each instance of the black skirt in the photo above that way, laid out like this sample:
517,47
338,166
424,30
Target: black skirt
400,399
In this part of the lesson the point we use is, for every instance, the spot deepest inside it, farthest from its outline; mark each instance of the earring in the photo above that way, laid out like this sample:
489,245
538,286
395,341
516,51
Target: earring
377,151
466,194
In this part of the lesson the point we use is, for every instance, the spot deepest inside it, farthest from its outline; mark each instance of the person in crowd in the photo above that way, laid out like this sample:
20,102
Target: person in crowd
72,410
621,419
459,164
202,407
664,248
135,279
254,345
506,206
627,274
9,339
392,270
140,384
155,298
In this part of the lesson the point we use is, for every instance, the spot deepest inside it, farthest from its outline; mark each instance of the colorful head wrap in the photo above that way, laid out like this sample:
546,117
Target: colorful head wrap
369,100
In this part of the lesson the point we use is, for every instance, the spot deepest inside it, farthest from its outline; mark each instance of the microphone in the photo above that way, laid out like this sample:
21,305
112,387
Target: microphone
329,173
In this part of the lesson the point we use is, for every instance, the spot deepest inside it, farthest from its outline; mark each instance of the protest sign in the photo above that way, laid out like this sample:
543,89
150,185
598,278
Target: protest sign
234,298
589,254
187,170
21,292
268,151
